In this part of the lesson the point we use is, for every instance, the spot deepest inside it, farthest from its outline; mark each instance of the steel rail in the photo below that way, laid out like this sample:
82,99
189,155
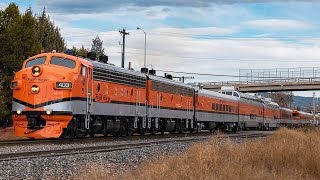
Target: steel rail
110,148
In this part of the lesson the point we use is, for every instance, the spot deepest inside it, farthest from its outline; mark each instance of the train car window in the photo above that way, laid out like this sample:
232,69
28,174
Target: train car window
223,107
229,93
181,99
213,106
227,108
107,89
230,108
63,62
220,107
98,88
36,61
217,107
171,98
131,92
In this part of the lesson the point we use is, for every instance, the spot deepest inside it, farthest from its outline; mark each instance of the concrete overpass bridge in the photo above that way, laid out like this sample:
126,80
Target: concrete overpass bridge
272,80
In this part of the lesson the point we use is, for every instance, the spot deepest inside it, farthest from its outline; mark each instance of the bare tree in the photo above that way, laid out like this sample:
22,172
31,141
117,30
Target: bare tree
284,99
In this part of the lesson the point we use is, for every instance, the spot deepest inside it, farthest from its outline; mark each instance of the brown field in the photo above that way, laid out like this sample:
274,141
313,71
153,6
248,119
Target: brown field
8,134
288,154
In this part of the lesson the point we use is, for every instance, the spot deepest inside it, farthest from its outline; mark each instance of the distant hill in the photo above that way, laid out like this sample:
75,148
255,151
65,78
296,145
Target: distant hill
299,101
302,101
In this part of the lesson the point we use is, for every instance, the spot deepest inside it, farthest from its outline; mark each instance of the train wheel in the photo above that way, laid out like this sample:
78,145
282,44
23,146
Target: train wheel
153,131
91,134
130,132
116,134
142,132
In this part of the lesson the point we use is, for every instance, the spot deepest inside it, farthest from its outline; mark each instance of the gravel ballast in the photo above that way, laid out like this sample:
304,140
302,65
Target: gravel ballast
69,166
64,167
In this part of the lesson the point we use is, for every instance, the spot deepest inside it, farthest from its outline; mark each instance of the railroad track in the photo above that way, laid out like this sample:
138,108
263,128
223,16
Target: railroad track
110,148
97,139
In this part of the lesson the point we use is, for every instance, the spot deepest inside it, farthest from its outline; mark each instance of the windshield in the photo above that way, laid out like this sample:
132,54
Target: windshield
36,61
63,62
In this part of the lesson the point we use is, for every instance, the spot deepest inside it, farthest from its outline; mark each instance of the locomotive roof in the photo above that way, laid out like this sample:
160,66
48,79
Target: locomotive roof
286,109
168,81
305,113
101,65
270,103
215,94
247,96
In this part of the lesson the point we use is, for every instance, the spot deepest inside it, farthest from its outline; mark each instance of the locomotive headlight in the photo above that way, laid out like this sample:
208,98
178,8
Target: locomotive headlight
36,71
35,89
49,112
19,111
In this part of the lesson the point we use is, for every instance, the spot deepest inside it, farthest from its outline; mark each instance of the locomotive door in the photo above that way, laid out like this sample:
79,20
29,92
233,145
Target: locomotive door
88,90
158,100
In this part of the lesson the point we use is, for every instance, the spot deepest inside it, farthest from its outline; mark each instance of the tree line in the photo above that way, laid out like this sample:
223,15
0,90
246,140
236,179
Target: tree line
22,35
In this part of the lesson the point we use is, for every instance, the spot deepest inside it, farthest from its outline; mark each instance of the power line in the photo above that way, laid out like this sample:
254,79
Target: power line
182,78
213,59
201,74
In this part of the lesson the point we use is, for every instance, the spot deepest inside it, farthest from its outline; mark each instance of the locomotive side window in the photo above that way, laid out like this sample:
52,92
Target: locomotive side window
83,71
36,61
63,62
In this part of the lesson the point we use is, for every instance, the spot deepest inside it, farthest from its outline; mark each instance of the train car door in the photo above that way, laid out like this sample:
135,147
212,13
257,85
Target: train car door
87,89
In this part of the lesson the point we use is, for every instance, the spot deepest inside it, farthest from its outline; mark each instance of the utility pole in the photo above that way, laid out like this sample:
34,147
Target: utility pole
182,78
123,34
314,106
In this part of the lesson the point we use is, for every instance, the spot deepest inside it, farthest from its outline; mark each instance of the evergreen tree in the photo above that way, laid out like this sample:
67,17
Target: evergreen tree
22,36
97,46
82,52
48,34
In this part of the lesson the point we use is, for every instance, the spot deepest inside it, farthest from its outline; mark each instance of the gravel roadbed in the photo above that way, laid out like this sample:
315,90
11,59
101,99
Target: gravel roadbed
56,146
65,167
69,166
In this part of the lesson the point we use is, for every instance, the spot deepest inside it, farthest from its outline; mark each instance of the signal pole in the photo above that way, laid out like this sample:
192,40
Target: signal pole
123,34
182,78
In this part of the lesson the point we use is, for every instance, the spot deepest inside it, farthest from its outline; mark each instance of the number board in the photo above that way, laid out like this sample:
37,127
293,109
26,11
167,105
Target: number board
64,85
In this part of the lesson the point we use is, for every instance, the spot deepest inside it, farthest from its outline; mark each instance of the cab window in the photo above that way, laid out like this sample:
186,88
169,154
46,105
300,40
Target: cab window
36,61
83,70
63,62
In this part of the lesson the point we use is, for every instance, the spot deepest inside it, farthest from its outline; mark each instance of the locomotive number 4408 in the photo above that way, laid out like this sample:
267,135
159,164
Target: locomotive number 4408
64,85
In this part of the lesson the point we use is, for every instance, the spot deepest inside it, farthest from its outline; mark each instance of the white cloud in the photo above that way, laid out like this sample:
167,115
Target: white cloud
278,24
3,6
194,31
188,54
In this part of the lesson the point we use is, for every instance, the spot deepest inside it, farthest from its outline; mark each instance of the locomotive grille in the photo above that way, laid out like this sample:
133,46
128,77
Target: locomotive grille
34,120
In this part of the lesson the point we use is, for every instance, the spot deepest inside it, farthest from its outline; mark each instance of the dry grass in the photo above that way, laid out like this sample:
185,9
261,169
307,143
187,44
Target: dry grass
8,134
288,154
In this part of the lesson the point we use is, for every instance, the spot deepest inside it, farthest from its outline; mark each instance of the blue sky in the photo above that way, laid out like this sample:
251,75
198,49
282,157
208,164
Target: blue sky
204,36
